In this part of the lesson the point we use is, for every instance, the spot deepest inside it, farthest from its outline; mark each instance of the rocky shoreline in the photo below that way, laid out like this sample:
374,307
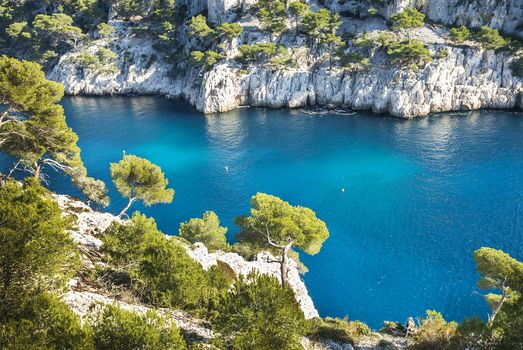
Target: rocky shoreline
465,77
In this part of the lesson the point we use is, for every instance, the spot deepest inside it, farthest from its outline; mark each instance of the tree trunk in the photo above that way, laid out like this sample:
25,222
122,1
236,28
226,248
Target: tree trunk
131,201
284,262
498,307
36,168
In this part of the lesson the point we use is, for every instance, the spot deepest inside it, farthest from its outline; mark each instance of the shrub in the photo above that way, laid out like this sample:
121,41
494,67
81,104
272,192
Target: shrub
258,313
122,242
490,38
434,332
114,328
260,52
44,323
341,330
36,251
383,39
167,276
160,270
412,53
105,30
206,59
410,18
206,230
460,34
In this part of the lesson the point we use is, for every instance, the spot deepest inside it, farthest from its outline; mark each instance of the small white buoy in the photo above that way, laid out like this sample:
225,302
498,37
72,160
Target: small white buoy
226,168
342,189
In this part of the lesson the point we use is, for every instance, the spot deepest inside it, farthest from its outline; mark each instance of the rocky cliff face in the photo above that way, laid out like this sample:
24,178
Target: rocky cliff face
466,77
506,15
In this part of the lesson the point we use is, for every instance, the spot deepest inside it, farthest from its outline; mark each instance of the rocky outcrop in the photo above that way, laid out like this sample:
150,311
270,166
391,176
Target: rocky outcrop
262,264
90,223
506,15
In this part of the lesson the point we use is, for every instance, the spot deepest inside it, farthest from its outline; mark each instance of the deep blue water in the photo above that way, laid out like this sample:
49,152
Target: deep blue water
420,195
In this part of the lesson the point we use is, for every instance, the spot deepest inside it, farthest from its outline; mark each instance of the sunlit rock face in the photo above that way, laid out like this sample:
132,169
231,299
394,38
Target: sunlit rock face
263,264
465,78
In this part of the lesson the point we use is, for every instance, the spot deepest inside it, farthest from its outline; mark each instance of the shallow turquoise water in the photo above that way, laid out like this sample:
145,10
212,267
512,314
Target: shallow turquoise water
420,195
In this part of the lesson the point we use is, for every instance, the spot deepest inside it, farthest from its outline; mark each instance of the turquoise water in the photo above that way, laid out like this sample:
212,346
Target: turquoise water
420,195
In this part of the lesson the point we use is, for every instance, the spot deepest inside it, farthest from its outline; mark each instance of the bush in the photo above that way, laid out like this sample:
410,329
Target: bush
160,270
206,59
166,275
490,38
44,323
460,34
410,18
114,328
434,332
36,251
206,230
341,330
412,53
260,52
258,313
122,242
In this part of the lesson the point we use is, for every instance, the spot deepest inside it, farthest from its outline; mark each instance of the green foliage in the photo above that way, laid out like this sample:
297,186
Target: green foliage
206,59
460,34
18,30
340,330
161,271
137,178
44,323
260,52
199,28
32,125
409,52
490,38
123,242
102,62
500,272
334,45
230,30
410,18
36,251
105,30
298,10
272,15
114,328
94,190
258,313
355,61
434,332
319,24
57,28
206,230
283,223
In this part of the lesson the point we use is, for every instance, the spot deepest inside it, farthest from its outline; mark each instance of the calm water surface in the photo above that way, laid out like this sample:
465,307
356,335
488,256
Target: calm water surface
420,195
